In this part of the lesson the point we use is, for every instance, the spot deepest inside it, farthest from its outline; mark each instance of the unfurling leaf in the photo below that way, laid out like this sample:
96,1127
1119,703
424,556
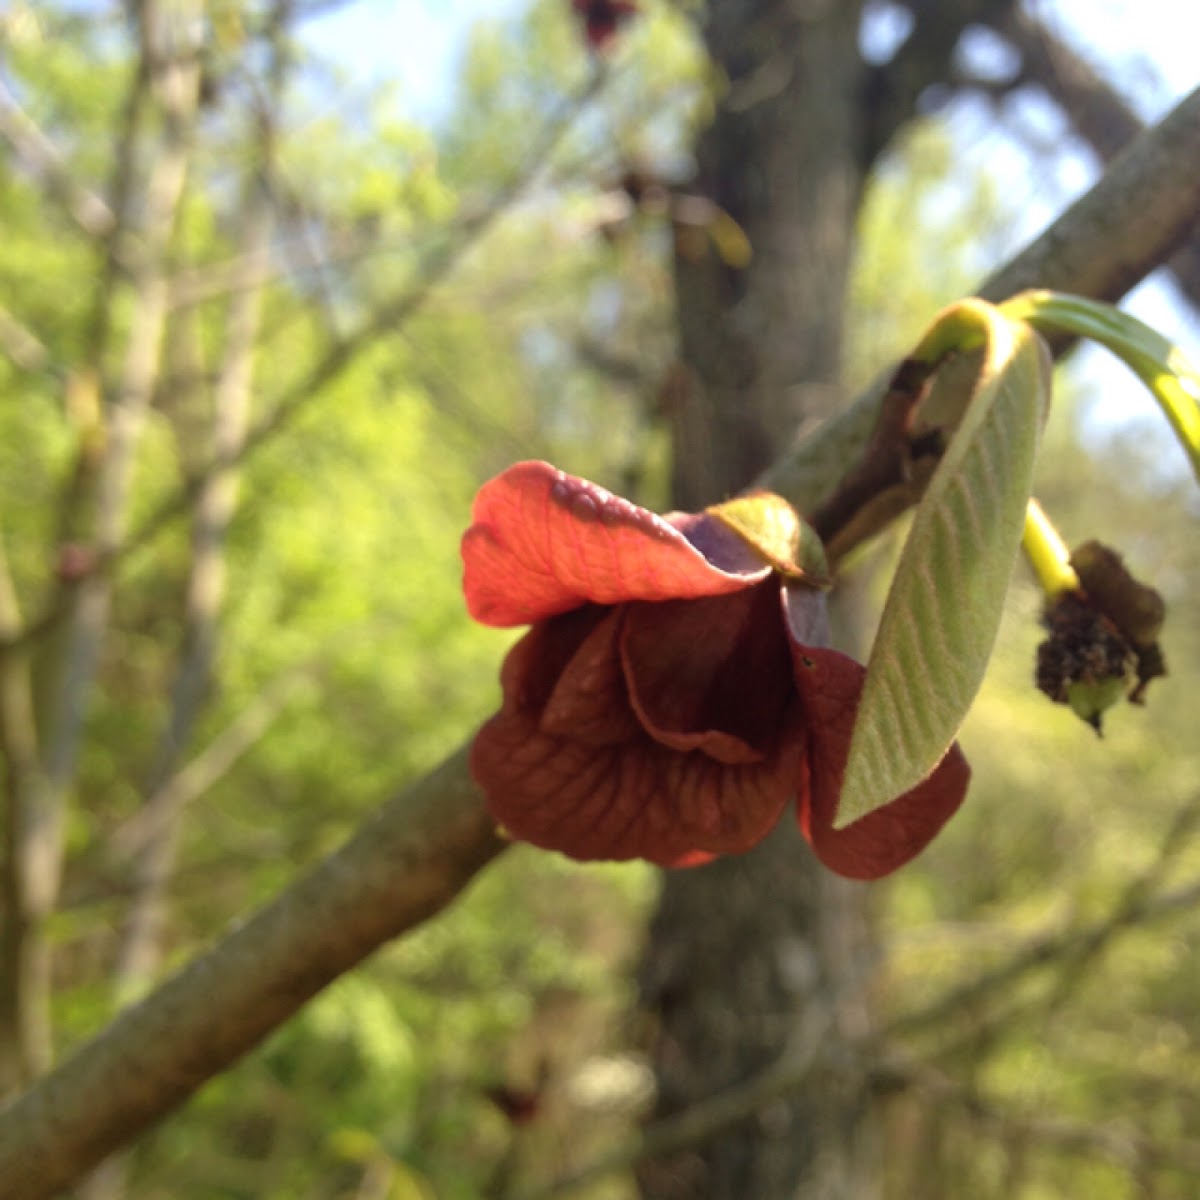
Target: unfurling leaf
1161,366
944,606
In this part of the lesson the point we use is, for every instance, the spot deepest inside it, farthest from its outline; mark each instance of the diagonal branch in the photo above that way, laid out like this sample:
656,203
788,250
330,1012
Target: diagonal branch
403,866
1099,114
44,162
424,846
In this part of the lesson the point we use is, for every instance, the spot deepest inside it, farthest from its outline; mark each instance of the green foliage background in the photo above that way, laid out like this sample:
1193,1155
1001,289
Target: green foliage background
344,583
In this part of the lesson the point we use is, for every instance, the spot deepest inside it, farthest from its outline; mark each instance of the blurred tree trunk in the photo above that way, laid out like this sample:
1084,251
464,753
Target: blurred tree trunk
752,953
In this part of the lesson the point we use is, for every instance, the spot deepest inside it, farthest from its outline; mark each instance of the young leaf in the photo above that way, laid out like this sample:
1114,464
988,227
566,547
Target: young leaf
945,602
1159,364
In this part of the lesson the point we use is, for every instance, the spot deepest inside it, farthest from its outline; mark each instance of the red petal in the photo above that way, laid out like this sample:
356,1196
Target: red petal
711,674
542,542
830,684
589,703
638,800
633,799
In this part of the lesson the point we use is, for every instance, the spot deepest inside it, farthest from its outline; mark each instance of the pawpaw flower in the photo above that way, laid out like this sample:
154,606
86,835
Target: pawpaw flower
602,19
676,688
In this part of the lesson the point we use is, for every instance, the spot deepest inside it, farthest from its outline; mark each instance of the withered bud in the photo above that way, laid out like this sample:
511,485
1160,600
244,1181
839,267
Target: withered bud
1103,639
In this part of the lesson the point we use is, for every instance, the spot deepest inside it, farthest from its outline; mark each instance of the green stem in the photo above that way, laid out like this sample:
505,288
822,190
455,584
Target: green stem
1047,553
963,326
1161,366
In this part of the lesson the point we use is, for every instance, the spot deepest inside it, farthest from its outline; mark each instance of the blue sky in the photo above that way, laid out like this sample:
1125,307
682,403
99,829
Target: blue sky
417,42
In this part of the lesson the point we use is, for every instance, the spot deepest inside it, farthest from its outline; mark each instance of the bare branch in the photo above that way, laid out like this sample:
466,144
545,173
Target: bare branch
196,777
1099,114
216,502
22,347
1041,952
46,164
384,320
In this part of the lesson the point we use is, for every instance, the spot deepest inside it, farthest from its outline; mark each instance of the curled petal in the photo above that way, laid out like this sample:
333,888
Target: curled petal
637,800
589,703
711,674
596,796
542,542
830,684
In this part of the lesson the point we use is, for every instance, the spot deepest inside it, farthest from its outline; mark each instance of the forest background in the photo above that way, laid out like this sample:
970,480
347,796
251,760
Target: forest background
261,255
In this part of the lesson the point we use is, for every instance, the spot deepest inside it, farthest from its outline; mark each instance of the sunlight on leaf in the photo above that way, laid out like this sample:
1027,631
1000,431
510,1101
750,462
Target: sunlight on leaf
947,596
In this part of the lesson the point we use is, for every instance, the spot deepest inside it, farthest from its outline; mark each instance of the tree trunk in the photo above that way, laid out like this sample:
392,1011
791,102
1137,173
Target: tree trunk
751,954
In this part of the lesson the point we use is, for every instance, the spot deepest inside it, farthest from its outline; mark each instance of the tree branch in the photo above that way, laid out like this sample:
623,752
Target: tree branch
46,164
1144,206
424,846
1097,111
62,693
401,868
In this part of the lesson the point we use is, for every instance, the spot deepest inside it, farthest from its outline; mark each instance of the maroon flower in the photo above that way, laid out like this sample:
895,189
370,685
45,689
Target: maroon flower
602,19
676,688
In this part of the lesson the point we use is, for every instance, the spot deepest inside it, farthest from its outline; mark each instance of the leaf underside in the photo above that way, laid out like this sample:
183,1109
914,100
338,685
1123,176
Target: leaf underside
947,596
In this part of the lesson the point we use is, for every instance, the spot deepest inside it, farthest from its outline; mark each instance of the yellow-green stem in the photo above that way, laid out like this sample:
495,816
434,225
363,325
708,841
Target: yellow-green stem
1047,553
1162,367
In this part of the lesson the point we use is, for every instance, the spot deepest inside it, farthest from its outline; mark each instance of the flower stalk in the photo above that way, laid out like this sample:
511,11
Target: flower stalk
1047,553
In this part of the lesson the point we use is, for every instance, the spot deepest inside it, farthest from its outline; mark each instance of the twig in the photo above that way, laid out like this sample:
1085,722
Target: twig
47,165
1038,953
22,347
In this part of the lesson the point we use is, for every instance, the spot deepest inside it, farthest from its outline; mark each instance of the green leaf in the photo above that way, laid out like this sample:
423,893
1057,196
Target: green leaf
943,610
1158,363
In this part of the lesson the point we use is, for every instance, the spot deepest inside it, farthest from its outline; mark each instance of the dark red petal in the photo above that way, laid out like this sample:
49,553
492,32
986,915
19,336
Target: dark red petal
830,684
712,674
589,703
542,542
636,800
